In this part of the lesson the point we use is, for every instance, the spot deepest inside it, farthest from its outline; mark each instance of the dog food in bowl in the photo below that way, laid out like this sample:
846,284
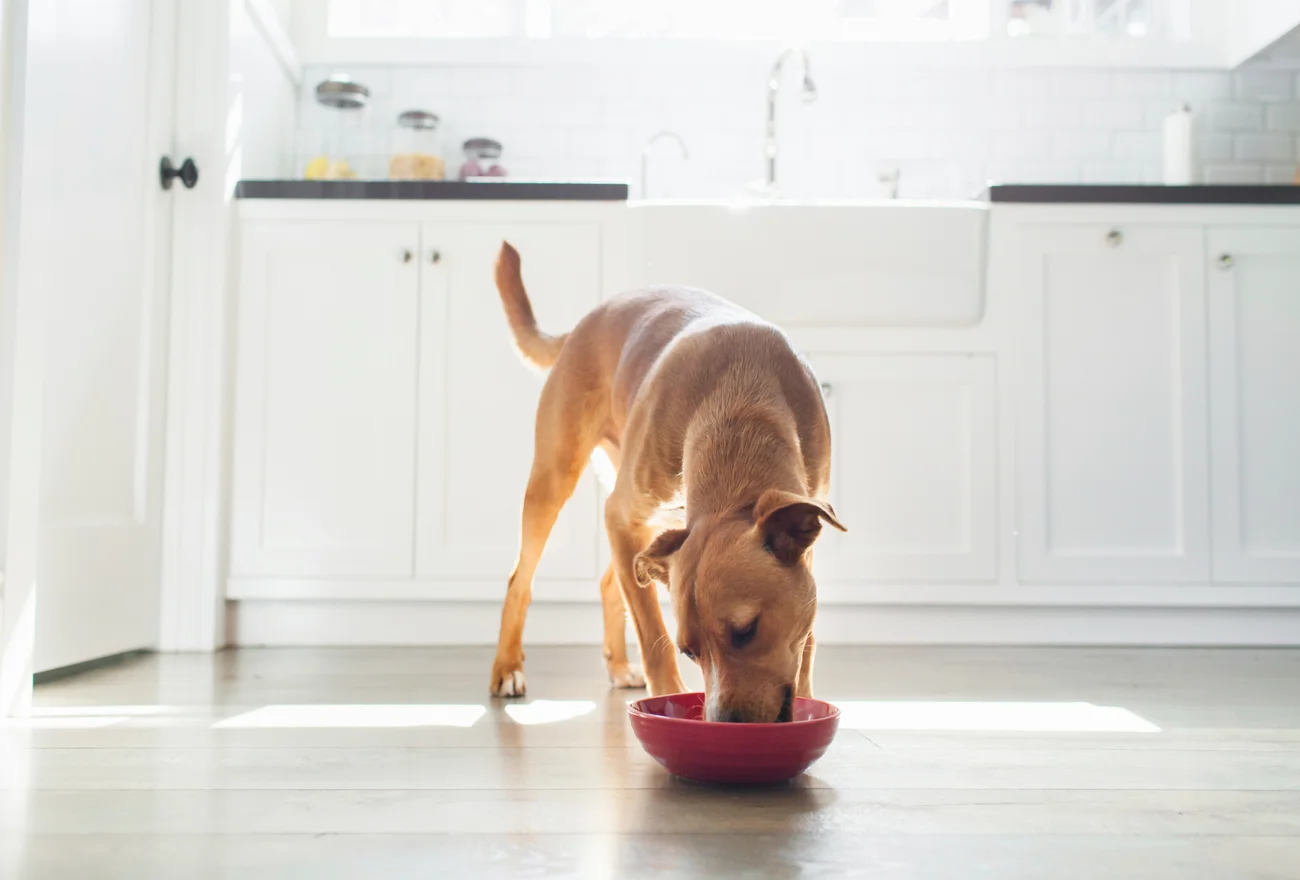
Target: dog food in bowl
673,731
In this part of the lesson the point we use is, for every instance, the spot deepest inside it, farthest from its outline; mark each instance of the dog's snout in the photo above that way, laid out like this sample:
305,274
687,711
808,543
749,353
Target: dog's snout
787,705
735,710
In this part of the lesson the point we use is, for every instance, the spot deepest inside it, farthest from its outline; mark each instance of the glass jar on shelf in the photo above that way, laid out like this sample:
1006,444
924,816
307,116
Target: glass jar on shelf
342,129
416,154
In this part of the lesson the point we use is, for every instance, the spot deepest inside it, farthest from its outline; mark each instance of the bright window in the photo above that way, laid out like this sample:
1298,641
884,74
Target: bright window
768,20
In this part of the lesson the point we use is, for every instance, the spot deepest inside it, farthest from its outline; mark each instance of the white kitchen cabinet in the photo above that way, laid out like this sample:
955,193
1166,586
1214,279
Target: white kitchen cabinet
1254,292
1111,452
914,477
325,400
478,401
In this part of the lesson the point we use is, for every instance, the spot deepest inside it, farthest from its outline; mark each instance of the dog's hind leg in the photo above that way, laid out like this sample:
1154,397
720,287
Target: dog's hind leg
565,439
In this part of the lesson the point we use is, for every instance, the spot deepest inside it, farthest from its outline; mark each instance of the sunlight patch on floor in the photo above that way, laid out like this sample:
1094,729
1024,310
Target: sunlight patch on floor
549,711
357,715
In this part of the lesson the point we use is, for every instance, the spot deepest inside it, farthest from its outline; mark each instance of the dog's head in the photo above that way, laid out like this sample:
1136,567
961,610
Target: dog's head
744,597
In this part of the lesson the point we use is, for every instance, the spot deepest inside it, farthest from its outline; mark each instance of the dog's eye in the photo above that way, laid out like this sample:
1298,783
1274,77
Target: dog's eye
742,636
687,653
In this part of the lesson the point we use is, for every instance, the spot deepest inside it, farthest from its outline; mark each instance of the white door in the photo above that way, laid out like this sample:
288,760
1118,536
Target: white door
914,471
1254,389
478,401
1111,405
325,411
97,239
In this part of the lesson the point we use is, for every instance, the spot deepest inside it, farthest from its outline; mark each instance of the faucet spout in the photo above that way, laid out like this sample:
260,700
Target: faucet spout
808,91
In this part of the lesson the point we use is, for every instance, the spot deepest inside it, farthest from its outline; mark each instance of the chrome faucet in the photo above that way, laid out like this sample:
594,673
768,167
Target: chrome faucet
649,145
809,94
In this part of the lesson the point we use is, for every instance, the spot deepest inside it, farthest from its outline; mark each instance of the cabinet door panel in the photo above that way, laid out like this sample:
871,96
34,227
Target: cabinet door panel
1112,406
478,401
913,470
325,411
1255,424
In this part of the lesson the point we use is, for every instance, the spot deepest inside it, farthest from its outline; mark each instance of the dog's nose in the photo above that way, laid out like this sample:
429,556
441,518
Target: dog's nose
733,716
787,705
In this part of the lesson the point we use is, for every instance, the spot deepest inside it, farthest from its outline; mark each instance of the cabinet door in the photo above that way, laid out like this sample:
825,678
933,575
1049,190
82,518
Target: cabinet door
325,410
1112,451
914,468
1255,420
478,401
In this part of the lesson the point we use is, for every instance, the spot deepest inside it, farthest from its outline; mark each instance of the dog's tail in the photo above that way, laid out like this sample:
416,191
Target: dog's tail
540,349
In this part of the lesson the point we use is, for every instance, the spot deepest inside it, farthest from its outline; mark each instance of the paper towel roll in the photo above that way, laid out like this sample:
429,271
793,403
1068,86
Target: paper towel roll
1180,164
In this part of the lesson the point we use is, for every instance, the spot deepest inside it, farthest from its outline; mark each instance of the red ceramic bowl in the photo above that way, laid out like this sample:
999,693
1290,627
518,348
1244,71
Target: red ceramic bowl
673,730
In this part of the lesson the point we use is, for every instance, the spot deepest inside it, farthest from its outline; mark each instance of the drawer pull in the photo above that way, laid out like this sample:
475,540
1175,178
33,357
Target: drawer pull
1114,238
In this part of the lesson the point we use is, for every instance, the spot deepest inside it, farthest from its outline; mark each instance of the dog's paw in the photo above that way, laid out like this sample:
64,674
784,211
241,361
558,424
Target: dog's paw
628,677
509,682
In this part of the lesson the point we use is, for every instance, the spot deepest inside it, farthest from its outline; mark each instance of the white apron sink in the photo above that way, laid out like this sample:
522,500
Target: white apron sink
863,264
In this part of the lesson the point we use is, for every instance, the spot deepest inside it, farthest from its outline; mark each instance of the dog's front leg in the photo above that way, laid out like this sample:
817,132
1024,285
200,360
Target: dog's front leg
658,651
804,686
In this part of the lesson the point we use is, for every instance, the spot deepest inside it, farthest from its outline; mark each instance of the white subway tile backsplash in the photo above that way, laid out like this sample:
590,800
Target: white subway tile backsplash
1073,84
1111,171
1114,114
1141,84
1283,117
1263,147
1235,116
1239,173
948,129
1137,145
1077,145
1263,85
1053,115
1197,87
1213,147
1020,145
1280,174
1045,171
1023,84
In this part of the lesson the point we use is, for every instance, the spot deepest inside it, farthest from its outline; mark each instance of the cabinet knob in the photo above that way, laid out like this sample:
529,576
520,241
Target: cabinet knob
826,389
435,257
407,256
1114,238
1225,261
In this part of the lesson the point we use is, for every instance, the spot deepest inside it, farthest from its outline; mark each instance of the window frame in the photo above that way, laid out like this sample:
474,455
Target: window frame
1204,48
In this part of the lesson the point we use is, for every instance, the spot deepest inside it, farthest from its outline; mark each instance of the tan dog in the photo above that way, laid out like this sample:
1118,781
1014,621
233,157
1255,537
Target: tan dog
698,403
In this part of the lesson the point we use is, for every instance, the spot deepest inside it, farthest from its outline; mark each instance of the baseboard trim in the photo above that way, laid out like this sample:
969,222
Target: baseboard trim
580,591
353,623
62,672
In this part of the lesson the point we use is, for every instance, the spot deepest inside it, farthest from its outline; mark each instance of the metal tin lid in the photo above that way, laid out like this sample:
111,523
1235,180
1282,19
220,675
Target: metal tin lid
484,147
342,93
421,120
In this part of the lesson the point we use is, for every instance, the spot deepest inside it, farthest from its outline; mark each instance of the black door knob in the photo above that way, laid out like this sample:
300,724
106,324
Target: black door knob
167,172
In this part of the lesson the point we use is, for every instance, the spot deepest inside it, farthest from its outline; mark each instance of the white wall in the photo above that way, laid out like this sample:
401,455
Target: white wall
949,129
1254,26
263,95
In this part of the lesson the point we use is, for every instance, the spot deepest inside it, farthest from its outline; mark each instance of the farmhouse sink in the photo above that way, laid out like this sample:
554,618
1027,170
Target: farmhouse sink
863,264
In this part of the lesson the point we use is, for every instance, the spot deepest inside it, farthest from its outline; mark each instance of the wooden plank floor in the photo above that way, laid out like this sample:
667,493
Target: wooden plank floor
1112,764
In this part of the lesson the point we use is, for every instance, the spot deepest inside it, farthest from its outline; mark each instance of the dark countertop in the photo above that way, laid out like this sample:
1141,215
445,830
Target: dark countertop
1145,194
512,190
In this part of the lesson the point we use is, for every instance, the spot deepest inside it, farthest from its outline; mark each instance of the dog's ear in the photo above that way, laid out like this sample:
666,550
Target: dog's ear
789,523
652,563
